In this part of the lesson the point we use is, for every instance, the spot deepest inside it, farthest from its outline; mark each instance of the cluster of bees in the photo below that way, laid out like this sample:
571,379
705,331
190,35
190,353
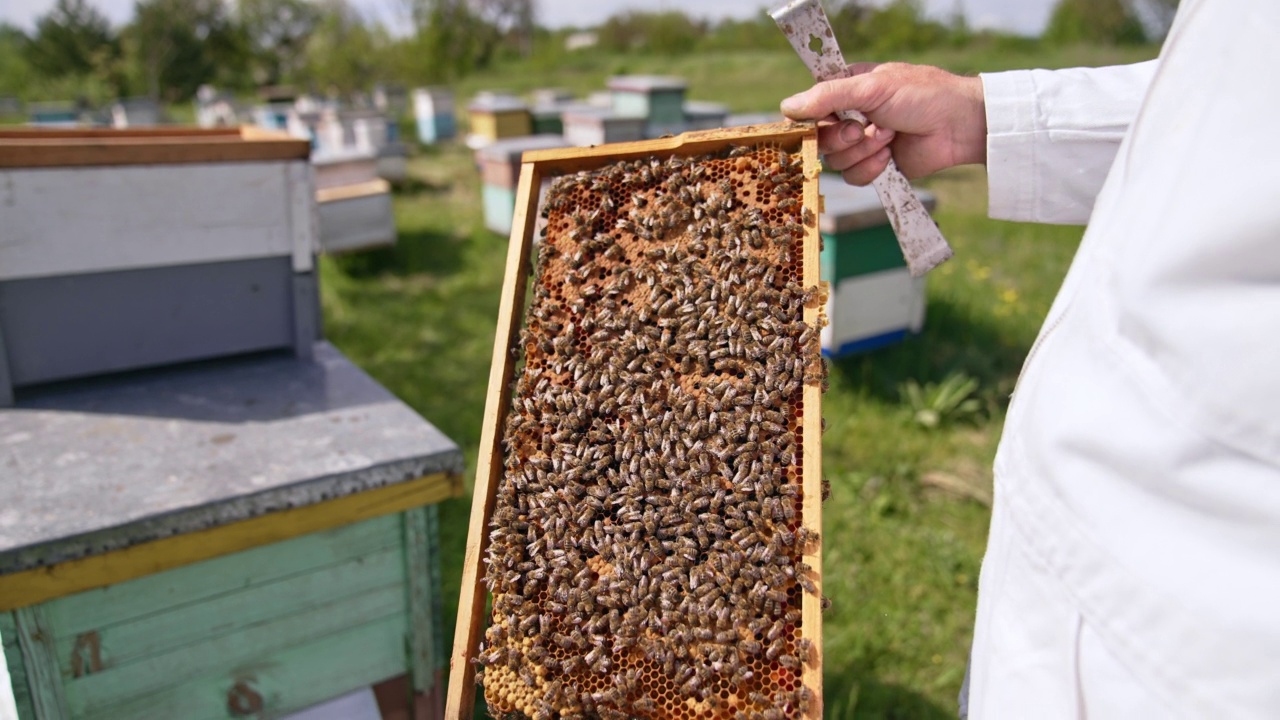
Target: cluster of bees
646,548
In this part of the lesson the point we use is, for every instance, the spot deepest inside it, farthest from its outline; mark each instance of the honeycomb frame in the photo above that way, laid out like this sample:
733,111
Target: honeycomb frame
793,139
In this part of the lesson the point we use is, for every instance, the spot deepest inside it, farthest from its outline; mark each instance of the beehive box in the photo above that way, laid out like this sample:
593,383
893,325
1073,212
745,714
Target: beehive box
587,126
354,203
127,249
500,173
433,108
648,491
874,301
497,117
702,115
658,99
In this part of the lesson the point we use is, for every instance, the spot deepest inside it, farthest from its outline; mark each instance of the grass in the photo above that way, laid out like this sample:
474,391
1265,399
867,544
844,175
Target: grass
905,528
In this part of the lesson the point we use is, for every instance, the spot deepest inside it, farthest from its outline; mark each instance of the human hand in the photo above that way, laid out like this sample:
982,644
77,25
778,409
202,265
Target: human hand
928,118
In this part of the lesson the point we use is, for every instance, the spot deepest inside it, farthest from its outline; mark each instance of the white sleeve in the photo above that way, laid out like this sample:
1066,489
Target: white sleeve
1052,135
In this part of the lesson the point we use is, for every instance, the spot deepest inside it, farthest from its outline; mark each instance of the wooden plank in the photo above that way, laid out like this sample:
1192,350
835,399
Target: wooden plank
424,624
173,131
41,584
811,514
11,652
35,639
207,581
67,221
245,648
320,669
192,624
83,147
462,688
574,159
368,188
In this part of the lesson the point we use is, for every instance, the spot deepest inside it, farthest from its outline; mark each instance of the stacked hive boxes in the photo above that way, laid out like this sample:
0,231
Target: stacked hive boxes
244,536
102,258
587,126
873,300
354,202
433,108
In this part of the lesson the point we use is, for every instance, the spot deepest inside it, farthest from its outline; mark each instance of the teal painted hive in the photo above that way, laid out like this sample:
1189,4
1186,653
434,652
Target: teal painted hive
433,109
263,541
500,174
874,301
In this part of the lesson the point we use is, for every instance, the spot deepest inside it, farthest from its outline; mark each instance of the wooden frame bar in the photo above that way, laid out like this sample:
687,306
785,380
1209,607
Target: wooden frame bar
460,700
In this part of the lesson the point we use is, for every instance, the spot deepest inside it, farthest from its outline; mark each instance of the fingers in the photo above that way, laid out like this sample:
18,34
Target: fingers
860,92
865,172
864,154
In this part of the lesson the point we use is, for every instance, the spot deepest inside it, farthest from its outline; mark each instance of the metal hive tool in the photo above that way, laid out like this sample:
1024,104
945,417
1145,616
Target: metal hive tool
806,26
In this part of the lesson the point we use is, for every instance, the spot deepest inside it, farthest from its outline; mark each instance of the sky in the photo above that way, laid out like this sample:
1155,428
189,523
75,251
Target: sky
1023,16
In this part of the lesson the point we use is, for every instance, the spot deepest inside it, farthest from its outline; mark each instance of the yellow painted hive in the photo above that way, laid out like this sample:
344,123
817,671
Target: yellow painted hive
653,548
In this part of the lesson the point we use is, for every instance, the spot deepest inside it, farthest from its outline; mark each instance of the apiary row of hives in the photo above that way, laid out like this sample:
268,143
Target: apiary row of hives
652,547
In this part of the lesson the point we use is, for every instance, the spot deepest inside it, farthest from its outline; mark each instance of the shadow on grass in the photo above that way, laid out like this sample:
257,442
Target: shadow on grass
415,185
952,340
853,696
419,250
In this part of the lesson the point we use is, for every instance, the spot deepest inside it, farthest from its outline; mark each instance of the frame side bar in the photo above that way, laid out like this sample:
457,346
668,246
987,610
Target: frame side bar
471,603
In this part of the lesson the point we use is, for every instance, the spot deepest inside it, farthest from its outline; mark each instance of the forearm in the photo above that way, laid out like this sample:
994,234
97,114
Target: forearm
1052,136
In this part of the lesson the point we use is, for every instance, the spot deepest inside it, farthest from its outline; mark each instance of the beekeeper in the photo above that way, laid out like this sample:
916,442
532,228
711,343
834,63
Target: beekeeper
1133,566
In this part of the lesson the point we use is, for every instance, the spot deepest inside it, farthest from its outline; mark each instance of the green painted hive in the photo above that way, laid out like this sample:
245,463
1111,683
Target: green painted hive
873,299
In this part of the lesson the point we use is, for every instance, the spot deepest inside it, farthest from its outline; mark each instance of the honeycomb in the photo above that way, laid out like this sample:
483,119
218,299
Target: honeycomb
645,555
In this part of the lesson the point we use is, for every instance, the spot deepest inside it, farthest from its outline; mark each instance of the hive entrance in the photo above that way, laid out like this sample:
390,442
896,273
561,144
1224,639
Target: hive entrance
646,545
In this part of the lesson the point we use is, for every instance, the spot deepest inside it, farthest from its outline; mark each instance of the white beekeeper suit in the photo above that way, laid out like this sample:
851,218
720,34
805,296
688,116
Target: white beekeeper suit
1133,568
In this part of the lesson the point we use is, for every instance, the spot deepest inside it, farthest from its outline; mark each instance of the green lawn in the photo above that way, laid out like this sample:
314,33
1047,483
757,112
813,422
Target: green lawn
906,524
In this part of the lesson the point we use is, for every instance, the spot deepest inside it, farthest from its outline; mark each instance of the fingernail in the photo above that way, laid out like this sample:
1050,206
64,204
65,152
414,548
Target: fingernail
851,132
883,134
793,104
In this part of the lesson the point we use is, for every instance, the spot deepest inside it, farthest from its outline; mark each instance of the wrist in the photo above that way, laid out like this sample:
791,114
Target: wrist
970,138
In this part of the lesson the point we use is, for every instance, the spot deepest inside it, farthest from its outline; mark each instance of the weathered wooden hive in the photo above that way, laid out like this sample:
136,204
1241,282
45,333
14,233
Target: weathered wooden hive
648,494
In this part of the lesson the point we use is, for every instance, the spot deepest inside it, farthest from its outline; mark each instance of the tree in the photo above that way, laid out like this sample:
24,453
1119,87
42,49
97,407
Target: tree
663,33
1107,22
179,45
342,53
73,39
277,32
17,75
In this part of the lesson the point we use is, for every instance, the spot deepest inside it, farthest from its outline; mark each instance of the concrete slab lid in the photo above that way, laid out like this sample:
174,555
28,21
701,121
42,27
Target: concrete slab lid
848,207
511,149
95,466
647,83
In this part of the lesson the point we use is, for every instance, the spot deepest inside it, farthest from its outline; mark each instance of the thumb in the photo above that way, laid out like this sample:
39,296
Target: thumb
828,97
